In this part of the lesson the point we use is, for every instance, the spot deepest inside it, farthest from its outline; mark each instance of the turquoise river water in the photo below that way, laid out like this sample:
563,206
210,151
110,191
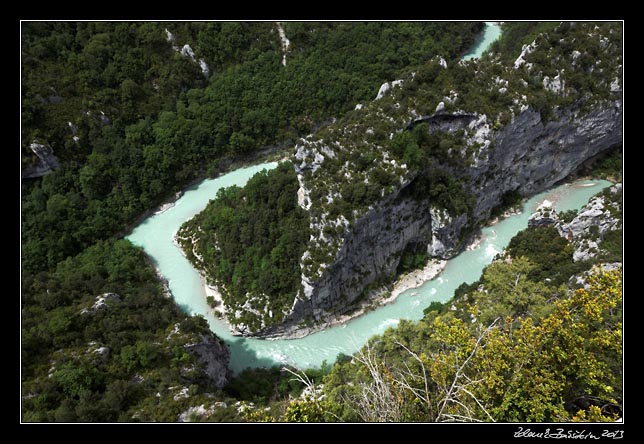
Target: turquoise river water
155,235
491,32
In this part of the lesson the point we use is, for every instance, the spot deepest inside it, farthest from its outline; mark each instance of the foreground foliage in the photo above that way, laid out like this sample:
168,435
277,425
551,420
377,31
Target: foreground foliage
83,363
559,367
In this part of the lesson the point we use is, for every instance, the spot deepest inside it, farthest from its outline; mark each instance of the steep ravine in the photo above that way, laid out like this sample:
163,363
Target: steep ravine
425,163
526,156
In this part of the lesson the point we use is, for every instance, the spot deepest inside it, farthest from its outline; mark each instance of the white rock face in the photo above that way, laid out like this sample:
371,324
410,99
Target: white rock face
188,52
47,161
442,62
440,107
481,132
451,98
204,67
101,352
168,36
305,150
285,42
101,302
556,85
358,107
527,49
385,87
199,411
303,199
615,86
181,394
383,90
593,216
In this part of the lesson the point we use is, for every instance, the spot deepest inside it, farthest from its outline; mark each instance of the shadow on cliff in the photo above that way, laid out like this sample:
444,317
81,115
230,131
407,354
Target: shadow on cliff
243,356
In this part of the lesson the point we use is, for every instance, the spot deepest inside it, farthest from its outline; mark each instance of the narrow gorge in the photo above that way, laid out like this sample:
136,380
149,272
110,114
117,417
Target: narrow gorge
253,221
421,167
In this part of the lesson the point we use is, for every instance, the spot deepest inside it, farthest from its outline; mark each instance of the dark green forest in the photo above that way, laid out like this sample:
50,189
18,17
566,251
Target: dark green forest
133,118
250,241
168,124
83,363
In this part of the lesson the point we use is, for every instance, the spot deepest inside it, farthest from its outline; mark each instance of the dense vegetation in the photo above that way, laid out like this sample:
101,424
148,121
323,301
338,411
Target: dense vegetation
249,242
523,343
551,252
517,350
133,119
82,362
147,120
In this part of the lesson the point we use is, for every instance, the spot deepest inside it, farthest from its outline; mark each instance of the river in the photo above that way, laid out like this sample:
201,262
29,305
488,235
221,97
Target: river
156,232
155,235
491,32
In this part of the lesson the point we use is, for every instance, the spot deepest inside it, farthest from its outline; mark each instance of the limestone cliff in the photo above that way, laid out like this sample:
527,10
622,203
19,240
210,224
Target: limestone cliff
527,156
213,355
523,148
600,217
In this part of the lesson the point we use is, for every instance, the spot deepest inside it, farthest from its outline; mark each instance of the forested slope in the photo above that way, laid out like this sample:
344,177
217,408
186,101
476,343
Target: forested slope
134,120
538,338
124,115
416,170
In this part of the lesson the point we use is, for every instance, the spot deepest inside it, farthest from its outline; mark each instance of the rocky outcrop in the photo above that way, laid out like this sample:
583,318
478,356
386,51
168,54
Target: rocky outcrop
526,156
187,52
101,303
601,215
195,413
397,223
99,352
529,155
46,161
544,216
213,355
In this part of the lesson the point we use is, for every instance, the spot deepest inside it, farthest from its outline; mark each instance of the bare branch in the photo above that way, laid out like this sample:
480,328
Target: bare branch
450,397
300,376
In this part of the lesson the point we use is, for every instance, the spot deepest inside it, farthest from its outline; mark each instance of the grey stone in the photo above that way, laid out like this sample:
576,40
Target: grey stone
526,156
46,162
214,355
